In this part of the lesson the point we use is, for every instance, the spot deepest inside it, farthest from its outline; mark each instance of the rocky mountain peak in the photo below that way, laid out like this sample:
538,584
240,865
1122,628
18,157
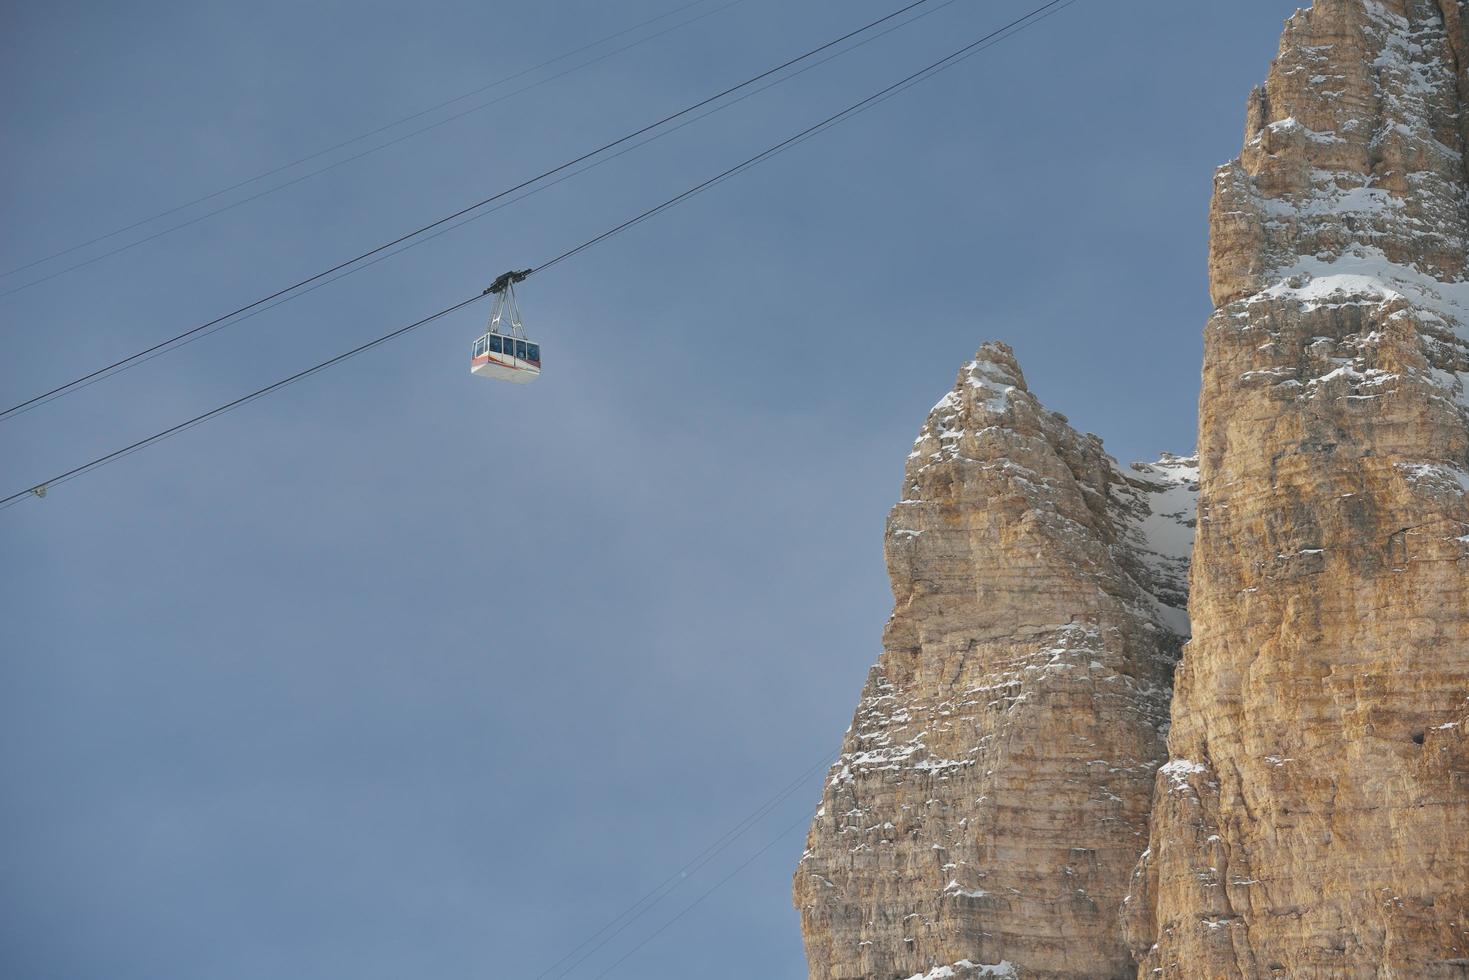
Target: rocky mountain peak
1306,824
971,823
1353,152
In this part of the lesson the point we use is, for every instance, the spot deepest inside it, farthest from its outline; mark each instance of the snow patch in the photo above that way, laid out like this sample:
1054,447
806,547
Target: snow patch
954,889
1159,526
1365,274
968,968
1440,477
1179,770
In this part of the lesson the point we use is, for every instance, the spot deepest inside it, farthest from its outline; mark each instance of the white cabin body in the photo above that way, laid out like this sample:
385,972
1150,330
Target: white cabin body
506,358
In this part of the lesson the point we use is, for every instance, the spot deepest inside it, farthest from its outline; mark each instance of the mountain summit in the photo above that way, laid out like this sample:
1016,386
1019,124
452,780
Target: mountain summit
992,794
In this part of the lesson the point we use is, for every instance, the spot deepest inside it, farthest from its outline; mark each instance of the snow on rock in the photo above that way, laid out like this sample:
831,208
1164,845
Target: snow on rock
965,969
1178,771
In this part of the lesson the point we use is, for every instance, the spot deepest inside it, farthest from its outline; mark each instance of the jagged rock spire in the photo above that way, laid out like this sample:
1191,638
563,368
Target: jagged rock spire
992,792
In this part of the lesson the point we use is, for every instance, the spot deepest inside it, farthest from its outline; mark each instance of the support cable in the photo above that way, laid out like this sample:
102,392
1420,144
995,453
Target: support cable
782,835
183,340
994,37
663,889
460,213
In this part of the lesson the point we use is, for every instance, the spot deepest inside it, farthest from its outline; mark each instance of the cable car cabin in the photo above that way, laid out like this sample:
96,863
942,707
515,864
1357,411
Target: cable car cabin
506,358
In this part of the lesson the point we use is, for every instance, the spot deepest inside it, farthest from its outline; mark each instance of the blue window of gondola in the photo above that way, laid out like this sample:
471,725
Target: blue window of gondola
520,349
495,344
533,352
479,347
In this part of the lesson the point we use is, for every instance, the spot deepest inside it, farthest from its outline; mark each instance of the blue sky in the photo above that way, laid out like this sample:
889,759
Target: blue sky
405,673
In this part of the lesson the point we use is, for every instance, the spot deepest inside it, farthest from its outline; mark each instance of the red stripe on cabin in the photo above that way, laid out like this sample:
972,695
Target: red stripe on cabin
487,359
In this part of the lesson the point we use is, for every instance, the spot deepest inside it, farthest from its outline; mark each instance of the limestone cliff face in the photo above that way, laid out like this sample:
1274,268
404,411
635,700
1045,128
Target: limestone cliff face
1314,818
992,794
